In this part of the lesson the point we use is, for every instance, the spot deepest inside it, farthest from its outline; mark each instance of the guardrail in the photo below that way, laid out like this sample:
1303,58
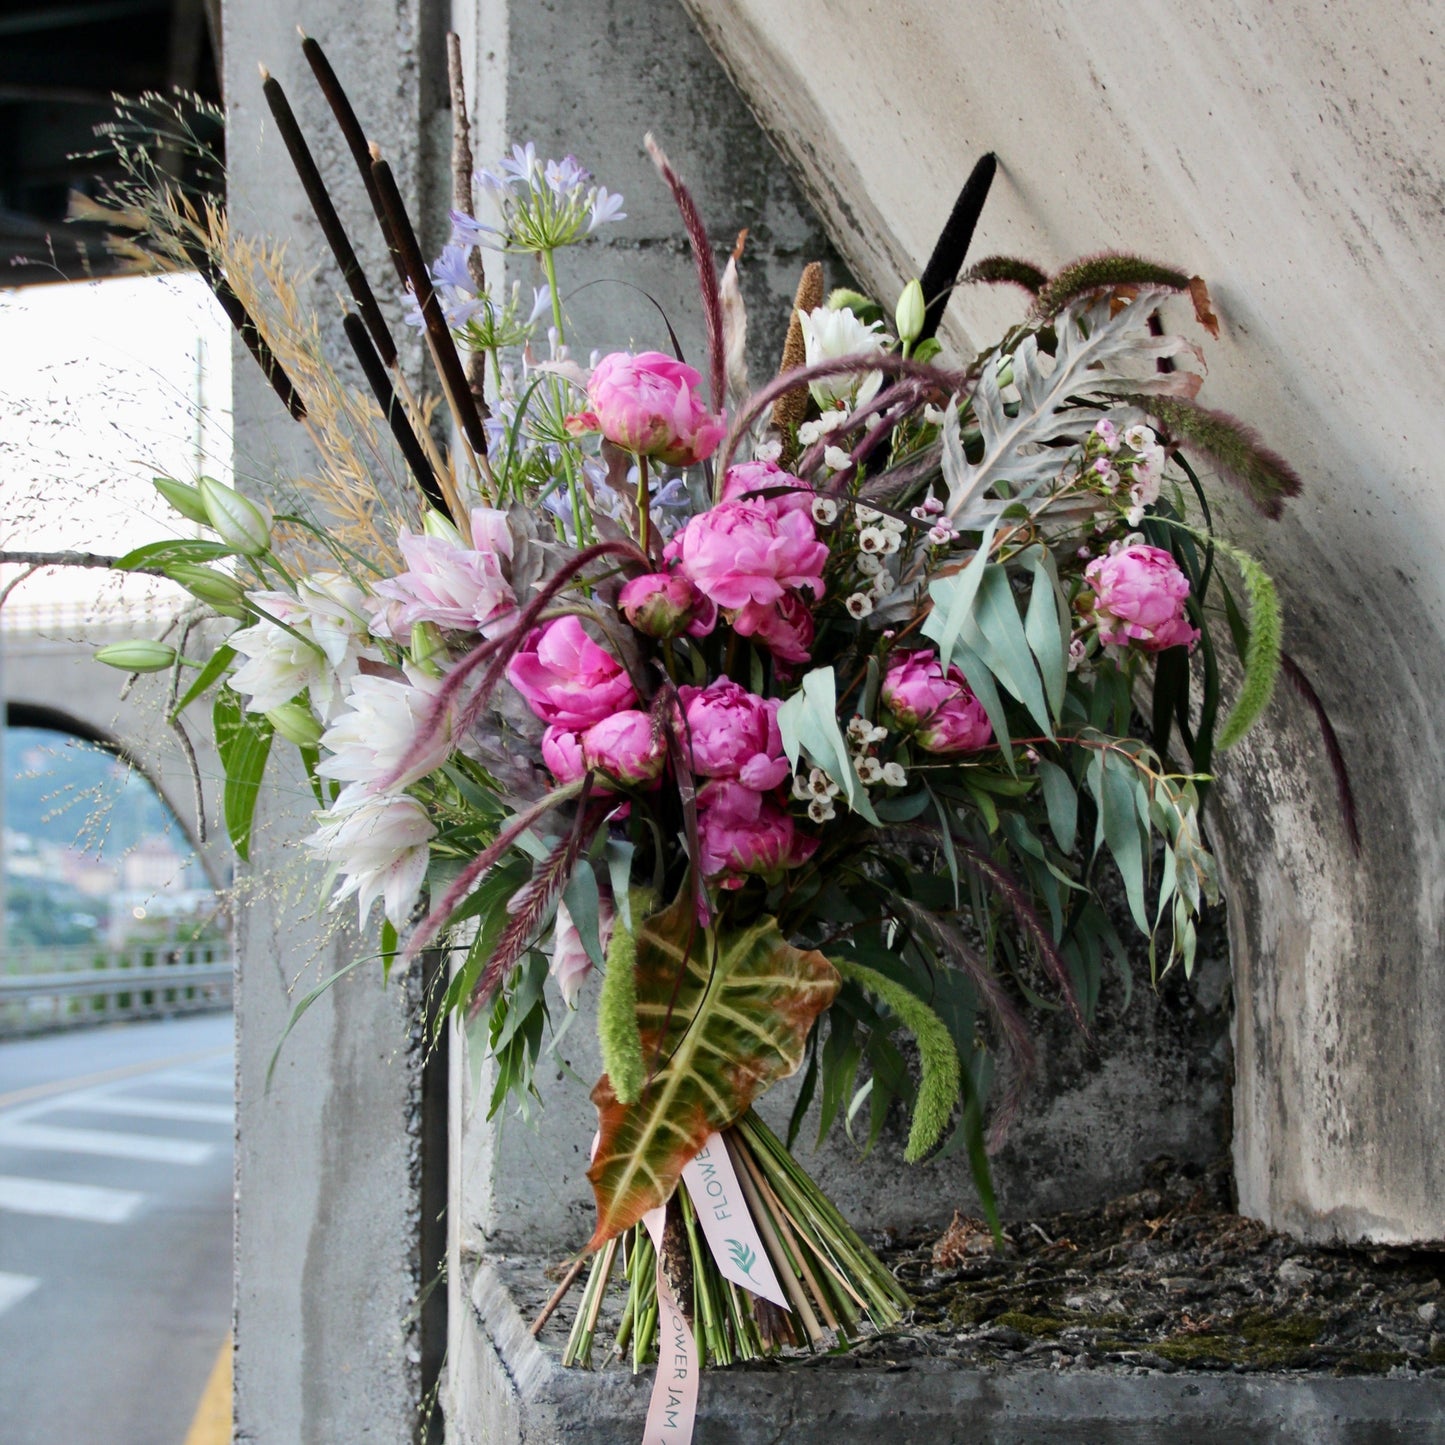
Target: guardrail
135,983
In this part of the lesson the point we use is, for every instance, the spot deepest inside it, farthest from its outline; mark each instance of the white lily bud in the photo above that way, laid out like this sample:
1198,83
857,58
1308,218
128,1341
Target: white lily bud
910,311
221,591
184,498
138,656
296,724
237,520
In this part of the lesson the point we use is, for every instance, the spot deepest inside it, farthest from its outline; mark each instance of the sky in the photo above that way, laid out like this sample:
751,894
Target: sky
104,385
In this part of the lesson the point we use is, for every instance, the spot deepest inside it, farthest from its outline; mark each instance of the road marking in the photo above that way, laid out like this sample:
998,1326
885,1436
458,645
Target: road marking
181,1112
128,1071
97,1141
212,1422
194,1080
14,1288
88,1202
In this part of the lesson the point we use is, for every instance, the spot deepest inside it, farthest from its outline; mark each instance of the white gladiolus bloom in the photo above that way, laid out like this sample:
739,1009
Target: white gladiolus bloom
380,845
328,610
384,718
830,335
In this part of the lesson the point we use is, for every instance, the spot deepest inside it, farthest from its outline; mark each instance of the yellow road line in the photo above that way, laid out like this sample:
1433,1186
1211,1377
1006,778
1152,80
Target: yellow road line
109,1076
212,1422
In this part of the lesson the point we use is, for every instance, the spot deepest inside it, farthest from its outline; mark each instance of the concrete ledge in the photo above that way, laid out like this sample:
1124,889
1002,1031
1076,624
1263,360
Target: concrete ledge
506,1389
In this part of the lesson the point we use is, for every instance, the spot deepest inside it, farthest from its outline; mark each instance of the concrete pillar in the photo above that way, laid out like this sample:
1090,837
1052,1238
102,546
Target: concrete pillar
1291,156
329,1160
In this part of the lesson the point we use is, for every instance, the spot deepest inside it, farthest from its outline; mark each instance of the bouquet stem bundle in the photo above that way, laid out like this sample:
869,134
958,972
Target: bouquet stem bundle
832,1279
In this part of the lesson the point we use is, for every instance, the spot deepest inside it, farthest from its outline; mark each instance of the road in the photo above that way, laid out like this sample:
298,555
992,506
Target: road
115,1230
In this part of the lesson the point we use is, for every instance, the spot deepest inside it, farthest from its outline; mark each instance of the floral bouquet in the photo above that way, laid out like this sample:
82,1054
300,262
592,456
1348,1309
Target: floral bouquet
793,722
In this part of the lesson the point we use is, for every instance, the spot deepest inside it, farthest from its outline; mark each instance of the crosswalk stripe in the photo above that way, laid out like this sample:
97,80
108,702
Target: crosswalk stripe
53,1200
180,1111
101,1142
14,1288
127,1071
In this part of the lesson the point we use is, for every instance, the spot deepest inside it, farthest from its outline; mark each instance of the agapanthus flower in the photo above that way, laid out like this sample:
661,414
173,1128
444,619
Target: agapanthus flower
545,204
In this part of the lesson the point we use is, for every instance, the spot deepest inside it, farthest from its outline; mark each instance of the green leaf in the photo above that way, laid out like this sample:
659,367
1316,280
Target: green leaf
1261,654
939,1083
996,632
1047,627
584,903
219,662
162,554
1113,782
953,598
244,742
1061,801
722,1015
808,722
981,683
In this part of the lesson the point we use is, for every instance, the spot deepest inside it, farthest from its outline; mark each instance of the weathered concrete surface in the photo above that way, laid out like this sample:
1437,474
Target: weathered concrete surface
327,1272
521,1393
1291,156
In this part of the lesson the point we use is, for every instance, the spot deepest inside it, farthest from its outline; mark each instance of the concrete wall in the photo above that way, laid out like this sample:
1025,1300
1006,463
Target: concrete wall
328,1161
1291,155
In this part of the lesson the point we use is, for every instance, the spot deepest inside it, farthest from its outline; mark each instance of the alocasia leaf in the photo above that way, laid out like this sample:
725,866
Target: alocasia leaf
723,1014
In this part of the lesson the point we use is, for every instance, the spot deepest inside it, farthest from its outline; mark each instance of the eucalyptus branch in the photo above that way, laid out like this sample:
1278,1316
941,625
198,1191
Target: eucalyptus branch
69,559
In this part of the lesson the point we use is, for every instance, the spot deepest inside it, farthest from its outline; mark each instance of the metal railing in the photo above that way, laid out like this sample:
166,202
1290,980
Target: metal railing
73,987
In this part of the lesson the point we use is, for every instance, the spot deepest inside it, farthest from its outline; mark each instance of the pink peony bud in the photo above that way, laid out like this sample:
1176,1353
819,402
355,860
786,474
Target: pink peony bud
649,404
562,752
566,679
662,604
741,552
1140,595
751,477
785,628
945,716
734,734
742,833
626,748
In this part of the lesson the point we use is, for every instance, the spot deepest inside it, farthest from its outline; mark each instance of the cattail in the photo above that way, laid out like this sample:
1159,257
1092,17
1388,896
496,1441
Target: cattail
792,407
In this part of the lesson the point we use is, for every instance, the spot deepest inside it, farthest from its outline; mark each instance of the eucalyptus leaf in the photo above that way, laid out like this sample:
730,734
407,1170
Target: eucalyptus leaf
1061,802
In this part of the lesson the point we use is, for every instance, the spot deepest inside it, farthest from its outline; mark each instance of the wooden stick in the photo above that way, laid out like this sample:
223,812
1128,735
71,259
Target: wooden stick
559,1294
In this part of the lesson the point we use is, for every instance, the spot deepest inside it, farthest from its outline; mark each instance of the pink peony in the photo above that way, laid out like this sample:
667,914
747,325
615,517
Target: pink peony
1139,596
562,752
748,477
741,833
626,748
734,734
662,604
785,628
449,584
566,679
649,404
741,552
945,716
